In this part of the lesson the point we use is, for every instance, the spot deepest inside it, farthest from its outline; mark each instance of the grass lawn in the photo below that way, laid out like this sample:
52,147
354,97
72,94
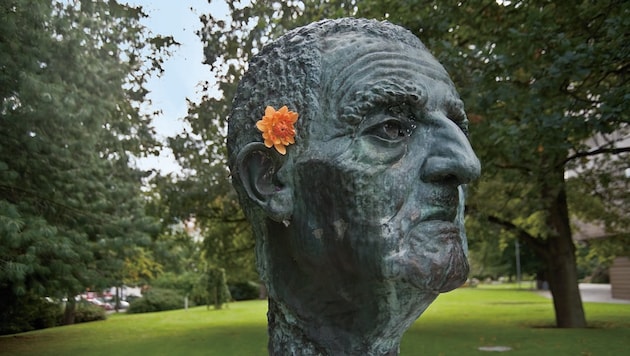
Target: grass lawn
458,323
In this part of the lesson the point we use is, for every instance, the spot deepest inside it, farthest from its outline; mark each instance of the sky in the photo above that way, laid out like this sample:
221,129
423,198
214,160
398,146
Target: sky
183,71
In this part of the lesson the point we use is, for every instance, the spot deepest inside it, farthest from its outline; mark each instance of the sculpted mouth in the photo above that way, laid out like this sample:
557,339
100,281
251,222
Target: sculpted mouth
441,205
434,257
435,230
430,256
440,213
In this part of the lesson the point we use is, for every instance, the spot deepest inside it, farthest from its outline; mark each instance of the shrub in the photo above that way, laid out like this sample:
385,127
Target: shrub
88,312
216,288
244,290
131,298
157,299
199,295
26,312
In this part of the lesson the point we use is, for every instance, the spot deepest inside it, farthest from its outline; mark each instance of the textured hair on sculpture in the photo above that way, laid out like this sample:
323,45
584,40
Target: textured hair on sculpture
288,72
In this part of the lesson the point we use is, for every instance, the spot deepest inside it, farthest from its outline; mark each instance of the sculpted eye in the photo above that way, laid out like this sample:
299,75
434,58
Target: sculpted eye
384,137
391,130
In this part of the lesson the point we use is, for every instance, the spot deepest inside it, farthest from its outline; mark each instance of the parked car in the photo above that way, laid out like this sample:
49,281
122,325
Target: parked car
101,304
123,304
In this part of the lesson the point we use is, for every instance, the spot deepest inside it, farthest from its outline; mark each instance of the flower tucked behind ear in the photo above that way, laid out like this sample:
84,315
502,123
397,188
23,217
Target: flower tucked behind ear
277,128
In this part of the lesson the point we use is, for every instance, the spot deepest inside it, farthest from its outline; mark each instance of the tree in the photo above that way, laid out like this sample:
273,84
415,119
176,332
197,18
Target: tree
545,85
215,287
140,267
206,195
71,83
554,78
493,253
209,202
205,192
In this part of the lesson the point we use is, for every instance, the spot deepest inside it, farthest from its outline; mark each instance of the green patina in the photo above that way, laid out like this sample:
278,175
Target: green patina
360,225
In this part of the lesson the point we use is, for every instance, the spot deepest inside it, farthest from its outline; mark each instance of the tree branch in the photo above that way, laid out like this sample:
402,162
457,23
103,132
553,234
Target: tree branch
535,243
221,218
597,151
513,166
247,248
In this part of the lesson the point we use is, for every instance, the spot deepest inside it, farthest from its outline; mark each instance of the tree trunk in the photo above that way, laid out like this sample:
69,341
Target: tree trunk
117,300
563,284
69,312
561,264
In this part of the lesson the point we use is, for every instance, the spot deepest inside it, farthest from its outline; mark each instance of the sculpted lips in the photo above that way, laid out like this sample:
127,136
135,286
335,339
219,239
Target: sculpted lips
442,213
441,205
430,256
427,212
434,258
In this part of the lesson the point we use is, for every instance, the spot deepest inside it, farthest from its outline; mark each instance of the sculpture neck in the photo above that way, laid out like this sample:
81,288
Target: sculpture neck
288,336
314,309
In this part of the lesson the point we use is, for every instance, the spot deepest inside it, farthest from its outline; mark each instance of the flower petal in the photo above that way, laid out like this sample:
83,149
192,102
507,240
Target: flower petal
277,128
261,125
281,149
269,111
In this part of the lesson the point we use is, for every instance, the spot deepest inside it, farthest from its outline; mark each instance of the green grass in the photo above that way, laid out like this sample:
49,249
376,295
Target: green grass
458,323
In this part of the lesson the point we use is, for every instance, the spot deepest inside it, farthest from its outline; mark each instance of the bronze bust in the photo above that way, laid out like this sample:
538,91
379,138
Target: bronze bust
359,220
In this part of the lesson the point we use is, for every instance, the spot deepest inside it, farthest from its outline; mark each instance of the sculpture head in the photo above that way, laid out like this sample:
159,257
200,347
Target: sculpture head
359,225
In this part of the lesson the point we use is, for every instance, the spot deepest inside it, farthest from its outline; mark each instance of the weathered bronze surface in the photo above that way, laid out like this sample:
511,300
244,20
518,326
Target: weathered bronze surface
360,225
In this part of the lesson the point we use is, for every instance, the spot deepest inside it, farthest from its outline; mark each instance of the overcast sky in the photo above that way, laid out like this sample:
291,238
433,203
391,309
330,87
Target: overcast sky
183,71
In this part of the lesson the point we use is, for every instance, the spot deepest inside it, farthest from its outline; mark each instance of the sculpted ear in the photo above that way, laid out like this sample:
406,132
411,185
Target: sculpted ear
258,167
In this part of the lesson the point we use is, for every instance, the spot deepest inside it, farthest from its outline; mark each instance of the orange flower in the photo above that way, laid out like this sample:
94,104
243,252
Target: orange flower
277,128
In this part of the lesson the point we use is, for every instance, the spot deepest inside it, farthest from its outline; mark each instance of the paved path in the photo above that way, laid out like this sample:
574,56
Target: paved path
590,292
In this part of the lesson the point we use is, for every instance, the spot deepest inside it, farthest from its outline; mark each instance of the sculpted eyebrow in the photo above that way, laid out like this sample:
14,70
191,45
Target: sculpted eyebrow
388,95
455,112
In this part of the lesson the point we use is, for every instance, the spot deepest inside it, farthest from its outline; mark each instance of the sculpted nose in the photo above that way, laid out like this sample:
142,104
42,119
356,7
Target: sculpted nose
450,158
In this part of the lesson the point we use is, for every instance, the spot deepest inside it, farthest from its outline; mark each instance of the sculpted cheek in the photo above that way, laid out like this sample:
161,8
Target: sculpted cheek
379,186
368,152
395,191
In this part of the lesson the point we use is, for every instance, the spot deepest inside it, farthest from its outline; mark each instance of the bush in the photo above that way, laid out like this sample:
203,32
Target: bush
157,299
244,290
26,312
88,312
46,315
215,286
199,295
29,312
131,298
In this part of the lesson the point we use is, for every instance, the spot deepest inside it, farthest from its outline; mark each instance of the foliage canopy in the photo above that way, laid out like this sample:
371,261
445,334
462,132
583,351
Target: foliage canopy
546,88
72,78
